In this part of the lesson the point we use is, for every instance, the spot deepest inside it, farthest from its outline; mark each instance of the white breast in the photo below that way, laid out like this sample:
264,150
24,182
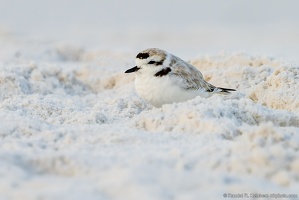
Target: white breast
161,90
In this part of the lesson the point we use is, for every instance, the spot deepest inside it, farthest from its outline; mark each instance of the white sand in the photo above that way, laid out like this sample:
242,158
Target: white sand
72,126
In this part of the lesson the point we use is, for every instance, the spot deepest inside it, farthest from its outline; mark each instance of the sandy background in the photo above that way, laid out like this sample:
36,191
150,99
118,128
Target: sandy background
72,126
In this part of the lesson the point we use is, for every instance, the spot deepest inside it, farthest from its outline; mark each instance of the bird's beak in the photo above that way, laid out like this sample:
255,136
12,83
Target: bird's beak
134,69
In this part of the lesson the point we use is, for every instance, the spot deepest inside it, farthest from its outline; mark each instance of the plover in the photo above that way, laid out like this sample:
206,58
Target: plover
163,78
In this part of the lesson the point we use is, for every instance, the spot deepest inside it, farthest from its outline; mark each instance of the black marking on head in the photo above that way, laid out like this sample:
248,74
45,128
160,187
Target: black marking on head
142,55
151,62
163,72
155,62
160,63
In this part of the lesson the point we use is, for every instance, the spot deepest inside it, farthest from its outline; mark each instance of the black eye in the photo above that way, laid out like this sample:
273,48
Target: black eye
151,62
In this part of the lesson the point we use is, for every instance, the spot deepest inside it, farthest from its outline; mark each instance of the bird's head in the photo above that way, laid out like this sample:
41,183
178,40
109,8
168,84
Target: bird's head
149,61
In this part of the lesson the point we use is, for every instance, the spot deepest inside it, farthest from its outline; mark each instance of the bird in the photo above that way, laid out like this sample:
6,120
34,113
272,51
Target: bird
163,78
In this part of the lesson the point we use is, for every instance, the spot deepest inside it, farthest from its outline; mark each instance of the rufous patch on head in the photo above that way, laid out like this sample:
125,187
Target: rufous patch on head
156,52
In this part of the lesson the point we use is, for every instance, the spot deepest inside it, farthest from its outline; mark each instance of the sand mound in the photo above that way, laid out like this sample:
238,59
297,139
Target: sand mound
73,116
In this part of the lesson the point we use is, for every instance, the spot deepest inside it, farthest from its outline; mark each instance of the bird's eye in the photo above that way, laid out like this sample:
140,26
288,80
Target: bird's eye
151,62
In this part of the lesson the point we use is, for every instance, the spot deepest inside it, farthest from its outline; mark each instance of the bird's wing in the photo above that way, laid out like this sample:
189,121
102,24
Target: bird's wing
188,77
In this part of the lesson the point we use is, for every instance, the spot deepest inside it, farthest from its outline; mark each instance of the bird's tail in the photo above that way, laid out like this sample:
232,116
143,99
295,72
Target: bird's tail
223,90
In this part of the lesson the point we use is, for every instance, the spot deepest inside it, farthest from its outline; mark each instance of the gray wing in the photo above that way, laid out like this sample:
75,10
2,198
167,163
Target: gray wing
188,77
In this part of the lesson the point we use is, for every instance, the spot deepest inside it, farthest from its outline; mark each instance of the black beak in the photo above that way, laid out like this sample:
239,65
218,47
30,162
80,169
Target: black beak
134,69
